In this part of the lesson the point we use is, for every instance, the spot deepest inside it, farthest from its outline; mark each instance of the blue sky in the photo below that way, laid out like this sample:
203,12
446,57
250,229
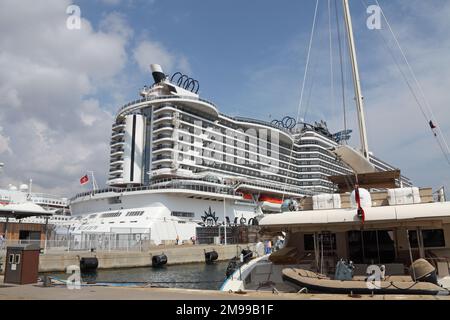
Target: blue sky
223,40
249,57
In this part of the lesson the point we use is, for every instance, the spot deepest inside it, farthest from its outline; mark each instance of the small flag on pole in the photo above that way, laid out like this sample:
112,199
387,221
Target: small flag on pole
360,211
84,179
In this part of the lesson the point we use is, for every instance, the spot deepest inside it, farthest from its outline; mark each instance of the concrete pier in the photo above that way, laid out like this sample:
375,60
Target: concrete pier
57,261
37,292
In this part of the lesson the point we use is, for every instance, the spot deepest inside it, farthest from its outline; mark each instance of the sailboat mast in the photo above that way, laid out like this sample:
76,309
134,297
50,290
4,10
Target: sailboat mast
356,81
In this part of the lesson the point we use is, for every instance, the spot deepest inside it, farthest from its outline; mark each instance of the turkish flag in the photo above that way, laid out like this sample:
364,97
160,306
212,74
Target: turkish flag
84,179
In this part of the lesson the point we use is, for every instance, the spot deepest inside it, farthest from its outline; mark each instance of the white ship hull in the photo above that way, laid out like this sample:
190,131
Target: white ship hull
158,216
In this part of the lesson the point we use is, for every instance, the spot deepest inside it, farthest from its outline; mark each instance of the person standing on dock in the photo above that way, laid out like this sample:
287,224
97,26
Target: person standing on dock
268,246
178,239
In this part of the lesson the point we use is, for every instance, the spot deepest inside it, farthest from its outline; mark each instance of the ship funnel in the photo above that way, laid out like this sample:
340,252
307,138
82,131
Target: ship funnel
157,73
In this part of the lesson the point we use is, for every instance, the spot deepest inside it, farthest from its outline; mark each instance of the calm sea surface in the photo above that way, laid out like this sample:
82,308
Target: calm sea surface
190,276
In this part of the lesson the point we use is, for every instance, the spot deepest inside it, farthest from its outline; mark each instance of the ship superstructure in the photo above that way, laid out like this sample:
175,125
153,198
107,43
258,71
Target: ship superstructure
173,133
176,162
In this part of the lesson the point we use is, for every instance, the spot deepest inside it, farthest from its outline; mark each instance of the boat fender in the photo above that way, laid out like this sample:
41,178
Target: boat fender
159,260
247,255
232,267
211,256
88,264
344,270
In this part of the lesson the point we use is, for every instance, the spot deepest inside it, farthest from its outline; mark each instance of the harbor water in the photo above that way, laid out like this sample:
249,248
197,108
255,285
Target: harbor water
188,276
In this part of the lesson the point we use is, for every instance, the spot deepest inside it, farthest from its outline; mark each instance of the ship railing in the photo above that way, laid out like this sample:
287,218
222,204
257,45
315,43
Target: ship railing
88,242
260,122
46,195
149,99
171,184
277,188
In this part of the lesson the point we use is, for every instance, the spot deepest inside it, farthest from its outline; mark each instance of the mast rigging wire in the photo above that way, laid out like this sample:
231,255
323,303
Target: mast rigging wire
308,58
341,60
332,96
426,109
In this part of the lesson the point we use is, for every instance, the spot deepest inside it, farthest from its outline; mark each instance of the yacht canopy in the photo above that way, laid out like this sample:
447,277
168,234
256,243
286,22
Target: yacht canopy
22,210
379,180
386,215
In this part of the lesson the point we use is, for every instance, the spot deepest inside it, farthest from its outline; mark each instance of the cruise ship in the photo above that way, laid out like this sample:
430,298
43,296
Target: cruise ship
177,162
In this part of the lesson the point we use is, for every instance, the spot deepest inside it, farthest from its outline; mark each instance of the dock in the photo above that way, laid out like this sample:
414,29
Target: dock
38,292
59,260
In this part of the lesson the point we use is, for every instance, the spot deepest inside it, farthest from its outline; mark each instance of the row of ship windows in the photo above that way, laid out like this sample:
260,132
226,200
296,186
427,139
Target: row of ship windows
253,172
182,214
191,119
134,213
237,149
246,155
87,228
272,177
49,202
243,138
292,168
190,116
119,213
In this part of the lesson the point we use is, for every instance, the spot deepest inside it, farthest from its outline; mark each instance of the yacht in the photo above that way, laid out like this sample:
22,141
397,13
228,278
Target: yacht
43,208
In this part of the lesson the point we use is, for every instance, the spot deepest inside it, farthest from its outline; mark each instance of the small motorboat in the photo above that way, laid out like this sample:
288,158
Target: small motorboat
425,284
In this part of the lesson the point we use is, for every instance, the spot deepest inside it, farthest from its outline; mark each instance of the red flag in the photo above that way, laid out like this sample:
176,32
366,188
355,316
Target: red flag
84,179
360,211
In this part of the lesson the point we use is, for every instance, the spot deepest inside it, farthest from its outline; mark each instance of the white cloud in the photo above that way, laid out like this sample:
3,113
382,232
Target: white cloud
111,2
116,23
53,129
148,52
397,131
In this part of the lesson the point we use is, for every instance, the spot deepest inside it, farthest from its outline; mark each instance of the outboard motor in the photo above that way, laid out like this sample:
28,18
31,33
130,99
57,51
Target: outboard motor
88,264
159,260
211,256
344,270
247,255
233,265
423,271
289,205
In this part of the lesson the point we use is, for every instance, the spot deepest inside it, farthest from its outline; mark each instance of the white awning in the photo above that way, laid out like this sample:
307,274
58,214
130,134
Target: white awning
413,212
24,209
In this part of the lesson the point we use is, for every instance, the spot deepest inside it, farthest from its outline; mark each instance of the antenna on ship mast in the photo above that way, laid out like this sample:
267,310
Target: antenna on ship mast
94,183
356,81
